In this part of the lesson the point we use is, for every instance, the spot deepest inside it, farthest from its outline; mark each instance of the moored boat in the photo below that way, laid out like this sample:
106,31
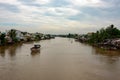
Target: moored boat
36,48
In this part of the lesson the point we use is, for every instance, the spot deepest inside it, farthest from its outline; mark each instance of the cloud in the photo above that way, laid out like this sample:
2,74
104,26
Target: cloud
9,7
43,1
88,3
35,2
59,16
15,2
62,11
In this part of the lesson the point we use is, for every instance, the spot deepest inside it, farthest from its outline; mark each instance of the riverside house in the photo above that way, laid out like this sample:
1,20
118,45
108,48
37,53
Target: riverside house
13,33
19,35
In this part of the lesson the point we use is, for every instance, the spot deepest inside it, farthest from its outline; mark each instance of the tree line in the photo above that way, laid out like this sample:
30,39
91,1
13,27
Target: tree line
110,32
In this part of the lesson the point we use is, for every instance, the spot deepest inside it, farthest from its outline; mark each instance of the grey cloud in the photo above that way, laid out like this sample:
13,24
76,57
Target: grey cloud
9,7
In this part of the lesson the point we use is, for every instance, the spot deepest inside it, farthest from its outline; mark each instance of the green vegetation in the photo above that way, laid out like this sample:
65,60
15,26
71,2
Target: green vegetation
2,39
71,35
110,32
107,38
68,35
12,33
15,36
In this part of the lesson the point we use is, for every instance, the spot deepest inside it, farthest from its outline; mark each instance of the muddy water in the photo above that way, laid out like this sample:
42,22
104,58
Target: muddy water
58,59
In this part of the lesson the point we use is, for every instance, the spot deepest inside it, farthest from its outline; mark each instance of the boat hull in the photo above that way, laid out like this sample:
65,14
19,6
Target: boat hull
35,49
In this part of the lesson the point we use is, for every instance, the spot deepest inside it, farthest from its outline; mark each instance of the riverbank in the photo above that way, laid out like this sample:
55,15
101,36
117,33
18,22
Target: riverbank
112,45
14,36
22,42
106,38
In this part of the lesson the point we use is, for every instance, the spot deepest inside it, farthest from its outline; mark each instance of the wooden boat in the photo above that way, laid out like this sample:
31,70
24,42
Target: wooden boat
36,48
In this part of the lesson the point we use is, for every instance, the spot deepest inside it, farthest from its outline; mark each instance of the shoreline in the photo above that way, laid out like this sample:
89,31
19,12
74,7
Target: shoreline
97,45
20,43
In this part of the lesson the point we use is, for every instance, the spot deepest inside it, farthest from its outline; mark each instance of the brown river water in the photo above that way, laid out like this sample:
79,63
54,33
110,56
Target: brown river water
59,59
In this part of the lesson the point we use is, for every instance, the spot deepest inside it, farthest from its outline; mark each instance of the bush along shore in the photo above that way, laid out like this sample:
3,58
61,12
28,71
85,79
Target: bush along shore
106,38
15,36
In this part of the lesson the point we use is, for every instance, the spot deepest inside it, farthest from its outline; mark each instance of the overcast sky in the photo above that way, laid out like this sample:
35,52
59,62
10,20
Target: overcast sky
59,16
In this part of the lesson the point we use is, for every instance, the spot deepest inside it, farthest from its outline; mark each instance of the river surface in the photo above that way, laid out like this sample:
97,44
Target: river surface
58,59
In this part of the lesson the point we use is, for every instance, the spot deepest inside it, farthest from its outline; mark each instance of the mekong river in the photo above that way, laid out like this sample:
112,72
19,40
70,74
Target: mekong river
59,59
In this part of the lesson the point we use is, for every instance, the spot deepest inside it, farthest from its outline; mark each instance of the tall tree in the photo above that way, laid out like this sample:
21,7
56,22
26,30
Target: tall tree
13,34
110,32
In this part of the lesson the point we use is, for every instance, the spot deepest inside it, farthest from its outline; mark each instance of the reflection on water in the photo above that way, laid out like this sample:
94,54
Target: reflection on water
58,59
11,50
2,51
35,53
109,53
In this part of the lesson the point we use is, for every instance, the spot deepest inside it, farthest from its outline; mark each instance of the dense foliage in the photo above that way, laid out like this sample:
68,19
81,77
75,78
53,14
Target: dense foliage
110,32
12,34
2,39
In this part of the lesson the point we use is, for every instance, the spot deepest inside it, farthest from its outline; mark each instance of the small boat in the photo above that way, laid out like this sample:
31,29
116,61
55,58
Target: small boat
36,48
